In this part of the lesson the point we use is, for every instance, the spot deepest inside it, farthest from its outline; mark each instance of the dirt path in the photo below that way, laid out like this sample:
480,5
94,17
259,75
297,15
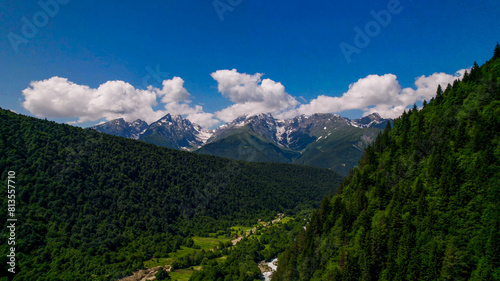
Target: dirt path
145,274
254,230
149,274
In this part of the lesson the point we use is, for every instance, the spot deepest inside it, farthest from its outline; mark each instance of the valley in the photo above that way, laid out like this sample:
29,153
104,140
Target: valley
232,140
216,248
97,206
102,207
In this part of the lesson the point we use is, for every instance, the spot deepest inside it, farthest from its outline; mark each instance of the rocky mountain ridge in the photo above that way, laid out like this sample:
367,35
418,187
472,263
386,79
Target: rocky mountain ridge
321,140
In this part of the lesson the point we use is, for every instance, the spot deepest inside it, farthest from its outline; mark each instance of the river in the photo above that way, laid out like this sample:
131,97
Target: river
273,266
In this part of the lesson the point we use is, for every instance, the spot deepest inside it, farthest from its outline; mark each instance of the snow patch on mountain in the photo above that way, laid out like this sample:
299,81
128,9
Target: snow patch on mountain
294,133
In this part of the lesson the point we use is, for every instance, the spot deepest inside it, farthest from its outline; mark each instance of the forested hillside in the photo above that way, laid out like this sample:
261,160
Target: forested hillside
424,202
91,206
320,140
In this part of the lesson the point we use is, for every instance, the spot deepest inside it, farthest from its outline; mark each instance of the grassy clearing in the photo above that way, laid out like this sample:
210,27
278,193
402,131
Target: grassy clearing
184,251
286,220
197,268
221,259
181,274
158,262
239,228
207,243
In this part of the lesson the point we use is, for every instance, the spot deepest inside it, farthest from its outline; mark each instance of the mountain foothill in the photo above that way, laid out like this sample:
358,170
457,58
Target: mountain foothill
319,140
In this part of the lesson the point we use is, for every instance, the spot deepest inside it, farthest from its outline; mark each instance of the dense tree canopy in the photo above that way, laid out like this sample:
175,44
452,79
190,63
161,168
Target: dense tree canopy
94,206
241,261
424,202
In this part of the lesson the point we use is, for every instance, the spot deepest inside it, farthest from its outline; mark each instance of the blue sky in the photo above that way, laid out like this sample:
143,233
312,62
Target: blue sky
225,58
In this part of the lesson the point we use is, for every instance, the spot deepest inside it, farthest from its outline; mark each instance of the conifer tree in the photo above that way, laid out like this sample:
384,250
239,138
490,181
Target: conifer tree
422,203
475,72
439,93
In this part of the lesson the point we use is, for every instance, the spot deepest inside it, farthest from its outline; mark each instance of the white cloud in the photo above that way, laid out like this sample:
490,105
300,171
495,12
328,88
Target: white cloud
203,119
176,100
173,91
251,95
58,97
365,92
381,94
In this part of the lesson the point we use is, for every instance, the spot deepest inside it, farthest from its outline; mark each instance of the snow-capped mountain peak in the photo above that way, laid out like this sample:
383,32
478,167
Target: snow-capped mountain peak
372,120
120,127
170,131
176,132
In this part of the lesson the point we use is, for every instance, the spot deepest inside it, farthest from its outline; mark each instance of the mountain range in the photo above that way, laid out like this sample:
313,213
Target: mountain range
422,203
320,140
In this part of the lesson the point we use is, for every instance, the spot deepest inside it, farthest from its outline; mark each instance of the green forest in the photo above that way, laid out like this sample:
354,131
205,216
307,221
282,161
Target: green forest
92,206
422,204
424,201
241,262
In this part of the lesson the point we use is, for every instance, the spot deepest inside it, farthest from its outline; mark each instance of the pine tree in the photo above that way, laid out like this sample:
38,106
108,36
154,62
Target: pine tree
429,209
439,93
475,72
466,77
496,53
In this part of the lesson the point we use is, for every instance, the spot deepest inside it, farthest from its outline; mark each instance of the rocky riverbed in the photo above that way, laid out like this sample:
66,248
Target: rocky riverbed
268,268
